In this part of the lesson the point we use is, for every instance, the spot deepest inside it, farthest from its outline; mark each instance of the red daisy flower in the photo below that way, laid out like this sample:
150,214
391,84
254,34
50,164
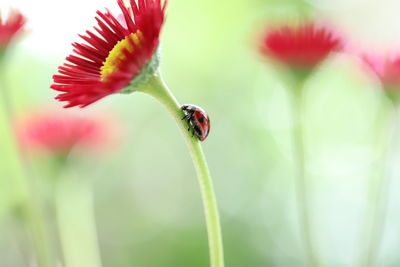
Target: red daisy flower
114,56
10,27
59,133
301,47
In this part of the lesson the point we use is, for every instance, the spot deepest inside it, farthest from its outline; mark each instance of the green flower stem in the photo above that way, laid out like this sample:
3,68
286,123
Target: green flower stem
301,181
76,222
159,90
2,54
381,199
25,186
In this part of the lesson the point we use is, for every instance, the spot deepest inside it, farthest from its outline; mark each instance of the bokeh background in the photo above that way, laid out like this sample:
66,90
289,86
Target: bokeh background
147,201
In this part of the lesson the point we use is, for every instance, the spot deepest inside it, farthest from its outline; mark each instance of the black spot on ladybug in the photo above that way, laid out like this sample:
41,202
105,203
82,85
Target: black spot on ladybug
201,119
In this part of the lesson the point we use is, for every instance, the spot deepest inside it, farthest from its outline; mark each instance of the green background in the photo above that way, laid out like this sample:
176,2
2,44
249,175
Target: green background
147,201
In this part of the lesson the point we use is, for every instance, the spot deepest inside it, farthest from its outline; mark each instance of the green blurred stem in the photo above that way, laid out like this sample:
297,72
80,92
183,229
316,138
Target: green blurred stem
5,97
25,186
301,181
159,90
380,207
76,222
2,54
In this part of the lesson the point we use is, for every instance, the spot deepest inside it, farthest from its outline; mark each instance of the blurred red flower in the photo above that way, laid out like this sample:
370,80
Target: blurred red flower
58,133
114,56
10,27
300,47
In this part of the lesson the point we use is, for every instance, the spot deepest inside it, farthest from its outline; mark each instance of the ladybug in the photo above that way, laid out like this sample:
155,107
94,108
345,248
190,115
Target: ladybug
198,120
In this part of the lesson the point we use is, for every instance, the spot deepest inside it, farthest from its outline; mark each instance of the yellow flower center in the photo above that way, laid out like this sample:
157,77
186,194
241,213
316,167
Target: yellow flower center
116,55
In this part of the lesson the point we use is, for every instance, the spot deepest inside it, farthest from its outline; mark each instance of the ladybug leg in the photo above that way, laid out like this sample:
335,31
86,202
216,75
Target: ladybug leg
192,132
184,117
188,121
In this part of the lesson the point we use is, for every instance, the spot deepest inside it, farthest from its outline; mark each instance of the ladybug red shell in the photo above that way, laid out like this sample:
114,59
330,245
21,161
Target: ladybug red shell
197,119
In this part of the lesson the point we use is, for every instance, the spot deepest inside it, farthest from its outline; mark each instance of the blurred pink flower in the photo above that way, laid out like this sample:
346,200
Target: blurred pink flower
299,47
386,68
58,133
10,27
